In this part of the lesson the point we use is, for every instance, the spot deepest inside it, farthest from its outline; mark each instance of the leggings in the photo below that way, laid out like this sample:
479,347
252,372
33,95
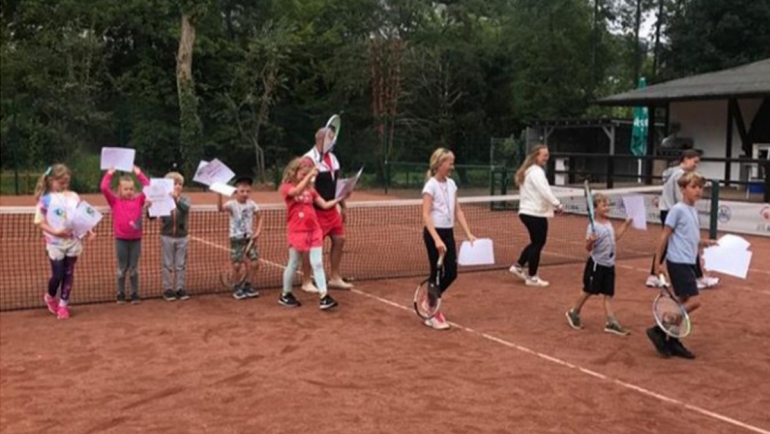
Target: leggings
316,261
450,258
698,269
128,252
538,233
62,275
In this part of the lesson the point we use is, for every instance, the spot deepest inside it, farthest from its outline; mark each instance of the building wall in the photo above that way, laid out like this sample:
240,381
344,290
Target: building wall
706,123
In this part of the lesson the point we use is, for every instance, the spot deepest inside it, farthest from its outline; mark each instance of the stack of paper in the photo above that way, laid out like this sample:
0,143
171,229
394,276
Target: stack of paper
731,256
119,158
159,193
215,175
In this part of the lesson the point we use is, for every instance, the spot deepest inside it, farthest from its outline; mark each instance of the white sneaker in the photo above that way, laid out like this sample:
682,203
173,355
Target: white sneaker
700,283
438,322
518,272
536,281
339,284
707,282
309,287
653,282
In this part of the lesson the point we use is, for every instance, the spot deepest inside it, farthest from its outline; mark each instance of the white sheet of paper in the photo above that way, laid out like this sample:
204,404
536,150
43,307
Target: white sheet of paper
730,261
634,206
200,176
161,209
482,252
119,158
85,218
345,186
730,241
215,171
159,194
222,188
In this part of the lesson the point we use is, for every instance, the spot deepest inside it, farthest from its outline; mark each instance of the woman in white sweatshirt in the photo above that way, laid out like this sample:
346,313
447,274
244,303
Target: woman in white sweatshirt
536,205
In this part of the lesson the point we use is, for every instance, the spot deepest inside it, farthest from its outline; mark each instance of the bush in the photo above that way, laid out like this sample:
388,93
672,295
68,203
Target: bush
86,173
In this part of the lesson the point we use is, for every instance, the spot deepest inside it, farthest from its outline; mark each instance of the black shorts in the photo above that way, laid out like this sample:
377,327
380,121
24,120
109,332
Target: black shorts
683,279
598,279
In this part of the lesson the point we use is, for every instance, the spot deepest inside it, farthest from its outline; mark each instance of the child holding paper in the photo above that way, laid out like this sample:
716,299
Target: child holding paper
440,208
682,235
173,242
599,274
55,199
126,207
304,229
242,211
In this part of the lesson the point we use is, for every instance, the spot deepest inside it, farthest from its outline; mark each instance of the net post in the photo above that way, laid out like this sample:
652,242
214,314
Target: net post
387,176
714,209
766,166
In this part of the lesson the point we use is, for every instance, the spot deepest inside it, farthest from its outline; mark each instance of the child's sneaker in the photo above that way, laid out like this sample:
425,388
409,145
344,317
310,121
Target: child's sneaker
339,284
652,282
438,322
536,281
135,298
63,312
309,287
121,297
613,327
327,302
574,320
250,291
239,294
182,294
289,300
53,305
169,295
518,271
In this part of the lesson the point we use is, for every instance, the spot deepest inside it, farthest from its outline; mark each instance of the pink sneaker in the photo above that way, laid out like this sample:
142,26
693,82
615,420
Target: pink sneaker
53,305
439,322
63,312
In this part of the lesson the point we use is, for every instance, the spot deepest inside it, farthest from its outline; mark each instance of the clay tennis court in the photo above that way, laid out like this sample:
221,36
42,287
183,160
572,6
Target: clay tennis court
510,364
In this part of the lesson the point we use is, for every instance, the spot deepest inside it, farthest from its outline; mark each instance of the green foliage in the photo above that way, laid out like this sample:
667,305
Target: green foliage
86,174
76,75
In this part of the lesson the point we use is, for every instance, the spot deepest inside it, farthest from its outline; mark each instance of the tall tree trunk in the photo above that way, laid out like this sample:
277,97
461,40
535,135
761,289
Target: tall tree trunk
656,53
637,45
190,123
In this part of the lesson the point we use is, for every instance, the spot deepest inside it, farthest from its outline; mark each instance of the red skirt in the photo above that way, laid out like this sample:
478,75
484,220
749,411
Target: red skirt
305,240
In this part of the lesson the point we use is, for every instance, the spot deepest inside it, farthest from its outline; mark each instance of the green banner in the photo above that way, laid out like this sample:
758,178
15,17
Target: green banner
639,131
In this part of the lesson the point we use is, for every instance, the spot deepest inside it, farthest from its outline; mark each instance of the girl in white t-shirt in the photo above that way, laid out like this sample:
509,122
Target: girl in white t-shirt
440,208
537,204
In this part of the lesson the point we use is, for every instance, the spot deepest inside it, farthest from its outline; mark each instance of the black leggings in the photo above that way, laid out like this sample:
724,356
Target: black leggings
450,258
538,232
661,260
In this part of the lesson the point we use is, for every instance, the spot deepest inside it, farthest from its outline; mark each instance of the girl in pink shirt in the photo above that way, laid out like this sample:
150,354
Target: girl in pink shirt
303,229
127,208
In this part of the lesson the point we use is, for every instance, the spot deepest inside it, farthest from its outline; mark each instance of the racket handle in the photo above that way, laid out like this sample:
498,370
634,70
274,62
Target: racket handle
440,261
663,280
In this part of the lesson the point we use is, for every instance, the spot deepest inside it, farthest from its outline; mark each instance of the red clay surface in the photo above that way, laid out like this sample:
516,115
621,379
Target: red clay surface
216,365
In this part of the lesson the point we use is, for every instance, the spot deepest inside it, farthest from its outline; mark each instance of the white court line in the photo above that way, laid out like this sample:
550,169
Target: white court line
586,371
543,356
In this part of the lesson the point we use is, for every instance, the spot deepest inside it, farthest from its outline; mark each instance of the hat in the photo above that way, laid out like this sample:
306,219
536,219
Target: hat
243,180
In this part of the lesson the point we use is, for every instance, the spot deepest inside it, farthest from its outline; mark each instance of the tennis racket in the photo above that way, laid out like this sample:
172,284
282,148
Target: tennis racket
334,123
669,314
427,297
232,278
589,204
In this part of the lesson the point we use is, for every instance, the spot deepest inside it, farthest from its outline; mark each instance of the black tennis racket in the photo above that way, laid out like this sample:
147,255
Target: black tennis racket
669,313
232,278
427,297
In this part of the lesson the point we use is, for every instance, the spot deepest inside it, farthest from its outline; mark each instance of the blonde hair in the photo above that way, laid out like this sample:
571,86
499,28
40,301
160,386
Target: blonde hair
528,162
52,173
290,172
437,159
176,176
126,178
600,198
691,178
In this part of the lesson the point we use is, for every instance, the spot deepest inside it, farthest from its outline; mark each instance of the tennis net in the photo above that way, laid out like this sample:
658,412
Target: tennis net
384,240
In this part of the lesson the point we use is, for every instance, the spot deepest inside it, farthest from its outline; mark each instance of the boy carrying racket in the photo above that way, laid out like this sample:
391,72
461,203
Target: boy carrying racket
599,274
682,234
